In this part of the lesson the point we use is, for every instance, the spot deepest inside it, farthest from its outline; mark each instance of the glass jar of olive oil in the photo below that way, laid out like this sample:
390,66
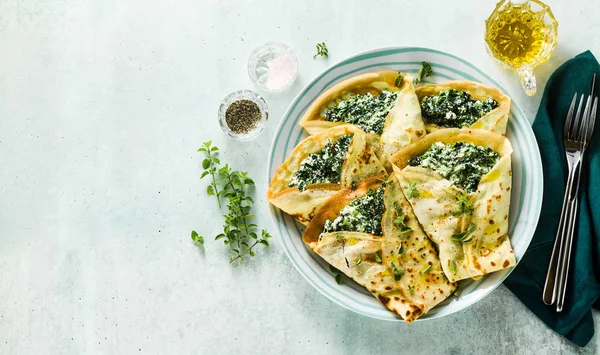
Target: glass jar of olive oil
521,35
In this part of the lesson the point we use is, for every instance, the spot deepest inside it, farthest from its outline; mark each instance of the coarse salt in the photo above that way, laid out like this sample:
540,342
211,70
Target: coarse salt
280,73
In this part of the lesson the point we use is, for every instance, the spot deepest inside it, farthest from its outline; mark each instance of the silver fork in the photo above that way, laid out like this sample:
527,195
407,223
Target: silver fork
576,137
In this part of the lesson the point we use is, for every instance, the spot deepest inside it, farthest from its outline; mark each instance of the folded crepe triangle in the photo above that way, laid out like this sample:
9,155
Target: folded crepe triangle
437,200
400,267
359,162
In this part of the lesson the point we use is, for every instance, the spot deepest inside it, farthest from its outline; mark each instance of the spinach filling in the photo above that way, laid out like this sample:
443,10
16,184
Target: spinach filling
324,166
453,108
365,111
363,214
462,163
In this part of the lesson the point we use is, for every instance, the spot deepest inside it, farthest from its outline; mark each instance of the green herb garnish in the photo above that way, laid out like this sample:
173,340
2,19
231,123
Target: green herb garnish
426,270
465,206
399,221
321,50
453,266
397,272
411,290
411,190
399,79
210,164
359,261
198,239
239,232
424,72
378,257
401,249
465,236
458,291
337,273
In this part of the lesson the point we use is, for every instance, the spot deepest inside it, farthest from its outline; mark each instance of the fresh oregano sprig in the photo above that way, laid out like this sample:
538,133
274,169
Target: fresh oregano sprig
465,205
411,190
210,164
198,239
464,236
239,232
321,50
399,79
425,71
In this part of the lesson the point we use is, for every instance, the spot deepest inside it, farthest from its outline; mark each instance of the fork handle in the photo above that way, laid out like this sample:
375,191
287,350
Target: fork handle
550,294
549,286
565,255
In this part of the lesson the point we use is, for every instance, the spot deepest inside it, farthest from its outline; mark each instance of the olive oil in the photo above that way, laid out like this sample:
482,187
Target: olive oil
518,35
521,35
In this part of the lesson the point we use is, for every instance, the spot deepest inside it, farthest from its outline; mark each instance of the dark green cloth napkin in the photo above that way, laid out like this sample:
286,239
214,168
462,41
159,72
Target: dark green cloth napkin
527,280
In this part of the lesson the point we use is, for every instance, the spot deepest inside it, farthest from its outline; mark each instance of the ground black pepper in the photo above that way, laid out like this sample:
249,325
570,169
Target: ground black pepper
242,116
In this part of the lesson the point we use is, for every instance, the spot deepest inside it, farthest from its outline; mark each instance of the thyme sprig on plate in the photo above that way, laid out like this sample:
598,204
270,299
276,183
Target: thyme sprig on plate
411,190
399,79
338,275
425,71
239,232
464,236
321,50
465,205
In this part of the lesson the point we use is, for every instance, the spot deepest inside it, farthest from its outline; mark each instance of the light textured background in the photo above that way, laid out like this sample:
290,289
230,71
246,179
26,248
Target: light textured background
103,104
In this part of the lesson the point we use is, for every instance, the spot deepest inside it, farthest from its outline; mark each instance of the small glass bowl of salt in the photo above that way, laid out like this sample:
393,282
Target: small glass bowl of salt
273,66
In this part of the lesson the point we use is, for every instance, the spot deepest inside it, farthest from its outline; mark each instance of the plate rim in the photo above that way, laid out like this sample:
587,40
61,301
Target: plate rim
306,88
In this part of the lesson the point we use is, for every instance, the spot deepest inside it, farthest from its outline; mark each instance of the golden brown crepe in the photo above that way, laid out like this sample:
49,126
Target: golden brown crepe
438,200
403,124
359,163
400,268
495,120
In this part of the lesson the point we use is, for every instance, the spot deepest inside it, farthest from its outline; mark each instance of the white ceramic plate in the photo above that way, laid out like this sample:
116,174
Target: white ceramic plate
526,198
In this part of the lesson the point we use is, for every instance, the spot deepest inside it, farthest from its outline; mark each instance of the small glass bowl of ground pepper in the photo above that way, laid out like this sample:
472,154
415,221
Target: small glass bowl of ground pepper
243,114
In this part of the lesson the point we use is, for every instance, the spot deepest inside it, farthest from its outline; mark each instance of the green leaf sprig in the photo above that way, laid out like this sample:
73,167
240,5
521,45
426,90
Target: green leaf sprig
411,190
400,222
425,71
397,272
458,291
465,236
239,232
399,79
358,261
426,270
378,257
453,266
210,164
321,50
338,275
198,239
465,205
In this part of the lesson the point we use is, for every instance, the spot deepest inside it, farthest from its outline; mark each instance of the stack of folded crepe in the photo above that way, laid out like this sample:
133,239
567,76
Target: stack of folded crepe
405,231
